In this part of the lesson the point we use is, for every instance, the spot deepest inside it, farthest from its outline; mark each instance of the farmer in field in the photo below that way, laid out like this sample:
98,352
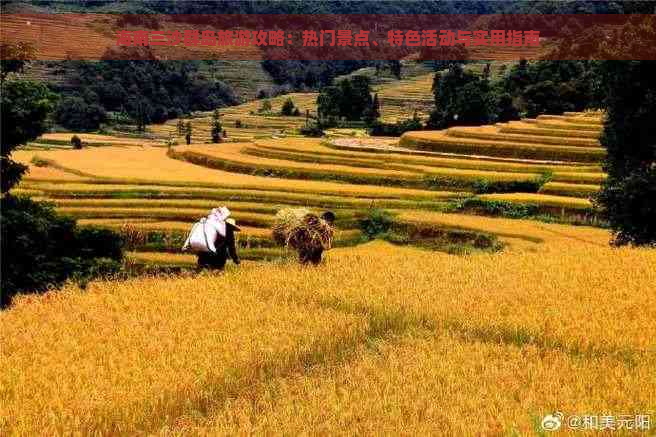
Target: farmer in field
213,239
306,232
225,247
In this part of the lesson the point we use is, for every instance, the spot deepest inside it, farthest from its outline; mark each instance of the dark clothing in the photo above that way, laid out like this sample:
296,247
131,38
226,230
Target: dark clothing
225,247
310,255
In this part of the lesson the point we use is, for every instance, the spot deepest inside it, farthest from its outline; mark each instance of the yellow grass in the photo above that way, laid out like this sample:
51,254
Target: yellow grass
429,344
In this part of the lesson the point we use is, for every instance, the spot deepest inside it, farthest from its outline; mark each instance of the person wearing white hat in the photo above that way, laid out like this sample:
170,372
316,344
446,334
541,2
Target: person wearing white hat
225,247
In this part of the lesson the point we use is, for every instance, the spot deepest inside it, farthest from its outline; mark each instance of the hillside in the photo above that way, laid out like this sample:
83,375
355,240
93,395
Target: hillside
546,167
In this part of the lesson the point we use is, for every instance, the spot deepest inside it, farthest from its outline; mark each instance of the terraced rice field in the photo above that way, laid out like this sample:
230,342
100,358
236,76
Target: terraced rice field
63,141
399,100
143,189
379,339
160,191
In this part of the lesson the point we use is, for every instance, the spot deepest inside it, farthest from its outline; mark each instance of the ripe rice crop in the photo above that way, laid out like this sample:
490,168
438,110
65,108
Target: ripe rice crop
170,214
532,129
540,200
389,164
96,140
135,192
572,190
439,141
164,203
492,133
312,149
549,236
430,343
117,372
570,126
150,166
152,224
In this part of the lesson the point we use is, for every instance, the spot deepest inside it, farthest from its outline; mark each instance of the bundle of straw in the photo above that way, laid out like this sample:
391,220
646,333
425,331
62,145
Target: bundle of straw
299,229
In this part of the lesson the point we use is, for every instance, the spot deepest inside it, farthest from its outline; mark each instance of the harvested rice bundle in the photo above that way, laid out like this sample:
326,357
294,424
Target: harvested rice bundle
304,231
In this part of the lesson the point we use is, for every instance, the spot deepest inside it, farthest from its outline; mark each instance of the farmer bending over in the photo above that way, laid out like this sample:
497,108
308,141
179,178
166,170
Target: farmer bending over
225,246
312,253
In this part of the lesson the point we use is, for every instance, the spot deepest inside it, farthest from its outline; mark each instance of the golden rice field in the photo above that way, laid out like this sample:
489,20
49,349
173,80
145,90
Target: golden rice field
380,339
159,191
428,344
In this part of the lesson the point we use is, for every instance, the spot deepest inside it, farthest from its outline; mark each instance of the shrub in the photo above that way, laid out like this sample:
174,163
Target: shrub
76,142
376,222
311,130
47,249
484,186
216,127
288,107
497,208
378,128
266,106
238,124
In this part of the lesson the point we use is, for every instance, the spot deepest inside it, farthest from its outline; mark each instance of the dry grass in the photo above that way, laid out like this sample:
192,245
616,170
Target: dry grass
431,344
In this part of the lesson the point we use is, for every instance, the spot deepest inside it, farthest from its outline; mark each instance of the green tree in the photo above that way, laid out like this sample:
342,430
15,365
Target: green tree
287,107
75,114
349,99
32,233
628,196
328,104
25,107
373,113
216,126
461,98
47,249
188,132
